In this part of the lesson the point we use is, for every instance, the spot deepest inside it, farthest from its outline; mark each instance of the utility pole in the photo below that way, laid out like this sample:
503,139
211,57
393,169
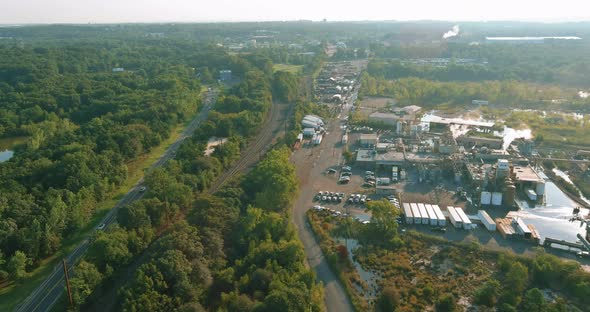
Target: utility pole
68,282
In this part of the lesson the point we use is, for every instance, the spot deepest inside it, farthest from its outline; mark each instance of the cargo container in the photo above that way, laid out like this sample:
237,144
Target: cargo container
307,132
314,118
540,188
310,124
496,199
486,198
521,228
317,139
416,213
408,213
455,219
441,220
466,222
486,220
431,215
423,213
531,195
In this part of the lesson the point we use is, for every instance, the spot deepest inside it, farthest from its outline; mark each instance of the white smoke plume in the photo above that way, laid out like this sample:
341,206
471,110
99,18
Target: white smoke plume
451,33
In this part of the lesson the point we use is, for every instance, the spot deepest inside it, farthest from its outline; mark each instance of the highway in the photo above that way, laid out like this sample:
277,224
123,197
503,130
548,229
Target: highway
50,290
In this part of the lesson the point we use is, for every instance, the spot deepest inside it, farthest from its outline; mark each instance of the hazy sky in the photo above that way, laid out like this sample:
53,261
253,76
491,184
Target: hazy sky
109,11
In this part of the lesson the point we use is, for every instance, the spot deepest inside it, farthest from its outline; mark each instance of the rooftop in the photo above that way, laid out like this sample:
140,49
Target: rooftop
456,121
526,174
368,136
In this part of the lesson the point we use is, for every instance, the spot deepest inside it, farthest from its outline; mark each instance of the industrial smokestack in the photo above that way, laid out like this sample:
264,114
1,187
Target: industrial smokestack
451,33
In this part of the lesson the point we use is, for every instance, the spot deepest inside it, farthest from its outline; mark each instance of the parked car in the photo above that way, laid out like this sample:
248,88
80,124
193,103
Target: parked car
332,171
346,168
101,227
346,173
343,181
369,173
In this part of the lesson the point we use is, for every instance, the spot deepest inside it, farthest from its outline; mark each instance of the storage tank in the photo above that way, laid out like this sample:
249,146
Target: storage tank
486,198
496,199
509,195
540,189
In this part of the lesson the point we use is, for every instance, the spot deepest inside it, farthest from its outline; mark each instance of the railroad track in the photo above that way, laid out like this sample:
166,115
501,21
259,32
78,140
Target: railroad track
260,144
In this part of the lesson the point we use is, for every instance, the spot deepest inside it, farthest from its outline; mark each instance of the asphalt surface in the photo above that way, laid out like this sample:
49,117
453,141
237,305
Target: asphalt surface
48,293
311,163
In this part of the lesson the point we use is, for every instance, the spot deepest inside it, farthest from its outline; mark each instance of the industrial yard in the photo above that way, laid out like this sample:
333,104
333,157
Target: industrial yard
439,166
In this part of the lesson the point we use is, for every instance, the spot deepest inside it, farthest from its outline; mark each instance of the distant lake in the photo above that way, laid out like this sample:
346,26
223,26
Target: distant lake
532,38
7,145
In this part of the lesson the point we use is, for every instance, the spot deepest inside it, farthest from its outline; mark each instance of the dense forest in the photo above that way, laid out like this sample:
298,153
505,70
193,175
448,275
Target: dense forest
84,123
188,250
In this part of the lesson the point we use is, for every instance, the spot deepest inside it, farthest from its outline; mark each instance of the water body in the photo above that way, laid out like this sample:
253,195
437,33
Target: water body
567,179
532,38
7,145
552,218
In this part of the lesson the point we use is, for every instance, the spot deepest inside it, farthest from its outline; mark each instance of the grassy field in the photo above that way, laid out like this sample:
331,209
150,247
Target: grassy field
13,293
295,69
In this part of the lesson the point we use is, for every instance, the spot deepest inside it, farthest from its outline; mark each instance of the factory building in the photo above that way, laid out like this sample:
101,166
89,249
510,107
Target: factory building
368,140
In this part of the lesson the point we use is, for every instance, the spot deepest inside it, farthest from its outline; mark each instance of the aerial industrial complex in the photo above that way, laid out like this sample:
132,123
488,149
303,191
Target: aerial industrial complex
397,146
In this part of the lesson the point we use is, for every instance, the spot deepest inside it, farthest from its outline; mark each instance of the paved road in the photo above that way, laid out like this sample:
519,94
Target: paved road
46,294
311,162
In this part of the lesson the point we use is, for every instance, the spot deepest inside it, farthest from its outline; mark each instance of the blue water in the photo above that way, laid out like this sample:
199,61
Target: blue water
552,218
6,155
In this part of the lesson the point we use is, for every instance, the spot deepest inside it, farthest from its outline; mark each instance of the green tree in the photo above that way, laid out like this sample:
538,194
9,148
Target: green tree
85,280
488,293
446,303
17,265
534,301
383,220
389,299
515,283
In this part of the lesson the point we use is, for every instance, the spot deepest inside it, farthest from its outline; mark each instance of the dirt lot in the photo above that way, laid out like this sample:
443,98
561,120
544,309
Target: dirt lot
372,104
376,102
